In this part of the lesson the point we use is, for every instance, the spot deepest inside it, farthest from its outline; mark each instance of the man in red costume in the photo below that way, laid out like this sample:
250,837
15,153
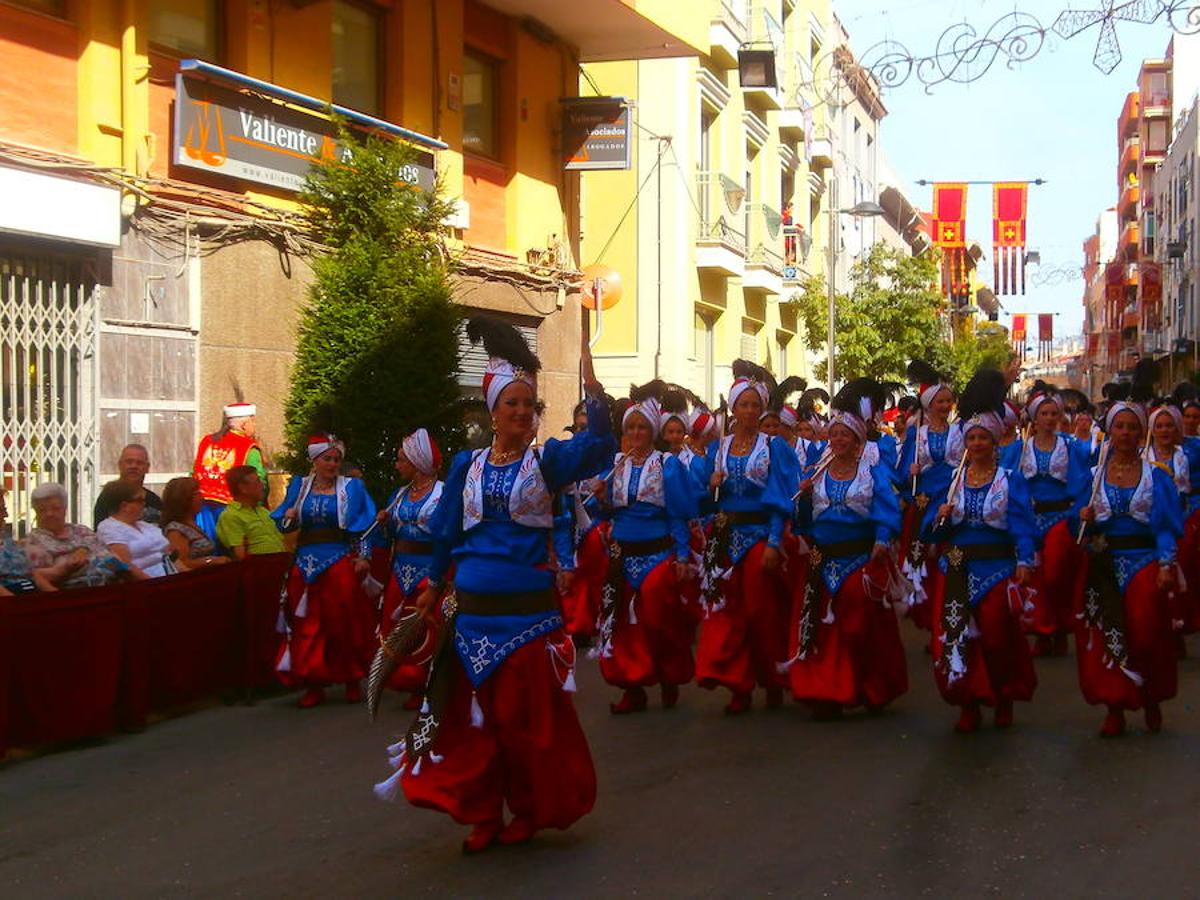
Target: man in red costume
234,445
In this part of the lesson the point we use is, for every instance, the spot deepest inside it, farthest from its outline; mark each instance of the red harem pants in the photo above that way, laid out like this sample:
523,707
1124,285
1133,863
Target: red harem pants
411,674
530,752
334,641
1149,643
999,664
919,607
743,643
581,604
658,647
1189,563
857,658
1058,582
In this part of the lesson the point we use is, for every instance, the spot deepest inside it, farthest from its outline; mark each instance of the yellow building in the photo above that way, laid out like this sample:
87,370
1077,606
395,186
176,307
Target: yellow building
730,187
149,257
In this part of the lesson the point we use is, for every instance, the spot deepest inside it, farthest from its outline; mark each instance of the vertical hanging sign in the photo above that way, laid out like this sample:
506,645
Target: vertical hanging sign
1045,335
949,235
1010,203
1018,329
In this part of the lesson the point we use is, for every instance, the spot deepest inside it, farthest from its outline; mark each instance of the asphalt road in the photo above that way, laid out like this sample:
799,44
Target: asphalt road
271,801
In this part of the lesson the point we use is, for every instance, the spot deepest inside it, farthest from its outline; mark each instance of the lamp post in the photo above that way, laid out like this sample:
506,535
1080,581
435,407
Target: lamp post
862,209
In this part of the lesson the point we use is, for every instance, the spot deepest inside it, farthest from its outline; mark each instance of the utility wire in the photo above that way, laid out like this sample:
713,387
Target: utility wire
632,204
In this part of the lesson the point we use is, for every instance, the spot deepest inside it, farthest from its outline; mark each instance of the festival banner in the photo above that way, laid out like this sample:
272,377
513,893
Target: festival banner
1045,335
1114,347
1114,283
950,236
1010,205
1093,345
1018,329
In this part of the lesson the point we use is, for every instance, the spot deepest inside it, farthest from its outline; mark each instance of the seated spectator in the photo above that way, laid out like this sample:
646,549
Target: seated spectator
16,574
70,556
245,526
132,466
182,502
138,544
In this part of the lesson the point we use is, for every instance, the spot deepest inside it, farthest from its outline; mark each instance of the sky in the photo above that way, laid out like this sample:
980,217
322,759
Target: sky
1053,117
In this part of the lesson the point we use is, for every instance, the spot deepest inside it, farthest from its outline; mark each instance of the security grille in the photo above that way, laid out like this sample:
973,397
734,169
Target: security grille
47,399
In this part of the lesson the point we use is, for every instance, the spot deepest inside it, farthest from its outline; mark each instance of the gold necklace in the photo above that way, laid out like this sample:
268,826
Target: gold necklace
499,457
974,479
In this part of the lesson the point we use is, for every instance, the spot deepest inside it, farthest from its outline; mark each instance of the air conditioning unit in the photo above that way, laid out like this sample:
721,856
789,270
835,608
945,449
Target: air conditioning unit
1176,249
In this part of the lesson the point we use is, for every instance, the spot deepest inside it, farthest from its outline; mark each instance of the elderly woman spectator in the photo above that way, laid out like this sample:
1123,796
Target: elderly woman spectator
182,502
70,556
137,543
16,574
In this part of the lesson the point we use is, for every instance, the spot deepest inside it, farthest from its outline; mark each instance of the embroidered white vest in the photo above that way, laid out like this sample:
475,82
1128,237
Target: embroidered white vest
529,504
1139,504
995,504
685,457
427,509
1181,470
954,447
858,495
870,453
758,464
650,485
1059,459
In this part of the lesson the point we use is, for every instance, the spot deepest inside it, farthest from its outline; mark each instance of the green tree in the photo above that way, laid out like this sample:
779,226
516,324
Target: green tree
891,315
377,346
972,349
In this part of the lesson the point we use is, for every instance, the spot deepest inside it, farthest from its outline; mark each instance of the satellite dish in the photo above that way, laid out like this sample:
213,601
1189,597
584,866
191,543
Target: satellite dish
604,281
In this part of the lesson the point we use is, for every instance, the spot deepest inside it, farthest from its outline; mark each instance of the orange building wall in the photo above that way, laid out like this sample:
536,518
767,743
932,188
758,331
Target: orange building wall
34,45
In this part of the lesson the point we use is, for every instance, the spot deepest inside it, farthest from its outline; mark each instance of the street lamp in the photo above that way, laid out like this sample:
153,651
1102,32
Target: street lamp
862,209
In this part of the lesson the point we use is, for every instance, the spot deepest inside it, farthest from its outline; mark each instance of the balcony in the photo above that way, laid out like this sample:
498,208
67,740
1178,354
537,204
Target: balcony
797,79
764,261
797,247
1127,205
1131,112
1131,236
720,247
727,32
1130,319
757,132
820,150
1131,156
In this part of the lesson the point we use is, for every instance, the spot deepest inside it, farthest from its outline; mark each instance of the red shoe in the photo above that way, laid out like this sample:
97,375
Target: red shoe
518,831
1004,713
481,837
1114,723
1043,645
738,704
413,703
774,697
632,701
1153,718
353,692
314,696
670,695
969,721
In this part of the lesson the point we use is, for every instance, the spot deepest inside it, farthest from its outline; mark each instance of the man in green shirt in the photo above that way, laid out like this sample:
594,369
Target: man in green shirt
245,526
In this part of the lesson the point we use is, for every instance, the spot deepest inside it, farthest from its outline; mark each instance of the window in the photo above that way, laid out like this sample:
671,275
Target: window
748,347
356,57
185,27
480,77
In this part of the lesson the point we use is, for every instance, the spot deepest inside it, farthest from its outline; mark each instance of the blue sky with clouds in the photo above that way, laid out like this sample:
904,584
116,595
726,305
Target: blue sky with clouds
1054,117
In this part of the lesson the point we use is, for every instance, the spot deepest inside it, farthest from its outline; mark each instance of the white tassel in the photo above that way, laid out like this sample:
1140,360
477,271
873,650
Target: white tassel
476,712
632,611
302,606
281,623
396,761
285,661
396,748
425,707
435,758
569,683
829,617
387,791
416,769
1133,676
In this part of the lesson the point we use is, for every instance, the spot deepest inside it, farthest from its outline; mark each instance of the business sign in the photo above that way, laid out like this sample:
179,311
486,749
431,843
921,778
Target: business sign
596,133
256,139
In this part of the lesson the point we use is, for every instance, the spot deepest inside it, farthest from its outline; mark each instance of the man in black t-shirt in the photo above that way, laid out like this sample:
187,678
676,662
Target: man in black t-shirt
133,466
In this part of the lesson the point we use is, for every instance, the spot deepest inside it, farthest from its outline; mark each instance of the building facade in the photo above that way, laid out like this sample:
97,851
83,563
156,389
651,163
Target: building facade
152,257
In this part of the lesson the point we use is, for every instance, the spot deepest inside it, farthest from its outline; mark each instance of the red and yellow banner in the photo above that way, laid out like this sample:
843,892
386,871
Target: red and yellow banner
1045,327
950,236
1010,206
1018,328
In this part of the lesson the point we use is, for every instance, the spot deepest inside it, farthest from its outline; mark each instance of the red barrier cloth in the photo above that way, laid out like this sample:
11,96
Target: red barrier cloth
262,580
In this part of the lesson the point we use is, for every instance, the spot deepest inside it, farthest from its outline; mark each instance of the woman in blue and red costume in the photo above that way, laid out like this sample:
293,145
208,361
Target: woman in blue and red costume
846,642
743,638
580,540
1056,468
327,616
499,726
1186,398
405,522
1125,646
645,631
932,448
983,522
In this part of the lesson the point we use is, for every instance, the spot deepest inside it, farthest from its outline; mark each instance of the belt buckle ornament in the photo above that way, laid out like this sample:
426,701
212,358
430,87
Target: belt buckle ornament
614,551
814,556
922,501
1099,543
955,557
449,606
720,521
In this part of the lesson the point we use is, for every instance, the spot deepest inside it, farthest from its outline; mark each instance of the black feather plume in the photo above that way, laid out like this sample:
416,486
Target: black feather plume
793,384
503,341
651,389
1075,401
921,372
853,394
1185,394
984,393
674,401
1145,379
743,368
814,394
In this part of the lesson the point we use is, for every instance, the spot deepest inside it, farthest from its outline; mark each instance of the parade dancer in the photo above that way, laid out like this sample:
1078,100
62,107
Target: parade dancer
984,523
1186,398
932,448
1126,647
406,520
1056,469
330,620
743,637
579,544
498,726
846,641
645,632
233,444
